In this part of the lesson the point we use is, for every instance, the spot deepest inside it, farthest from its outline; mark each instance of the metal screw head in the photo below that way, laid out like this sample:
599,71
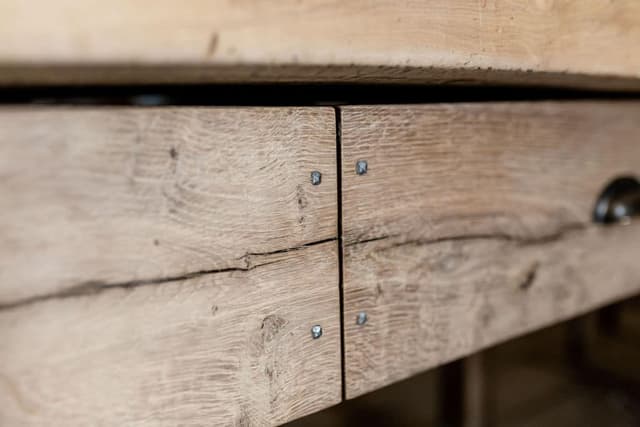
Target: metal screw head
361,167
316,178
361,318
316,331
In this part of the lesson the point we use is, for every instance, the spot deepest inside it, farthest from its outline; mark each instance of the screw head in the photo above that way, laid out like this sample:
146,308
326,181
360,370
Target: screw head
361,318
361,167
316,178
316,331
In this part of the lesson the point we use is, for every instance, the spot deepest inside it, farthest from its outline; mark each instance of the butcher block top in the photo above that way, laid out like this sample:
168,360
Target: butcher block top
589,44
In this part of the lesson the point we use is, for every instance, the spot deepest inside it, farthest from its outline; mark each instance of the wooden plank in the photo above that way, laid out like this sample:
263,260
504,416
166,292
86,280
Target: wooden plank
165,266
225,348
473,225
97,197
427,41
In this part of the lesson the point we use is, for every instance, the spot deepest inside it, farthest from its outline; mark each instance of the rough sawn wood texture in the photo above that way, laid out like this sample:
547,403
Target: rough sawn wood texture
425,41
228,348
96,196
473,225
165,266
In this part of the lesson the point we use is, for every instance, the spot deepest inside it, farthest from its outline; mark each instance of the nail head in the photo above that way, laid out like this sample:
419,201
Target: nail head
316,332
361,318
361,167
316,178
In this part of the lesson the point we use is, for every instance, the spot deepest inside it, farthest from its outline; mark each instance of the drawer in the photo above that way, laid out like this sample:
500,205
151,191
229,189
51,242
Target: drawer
167,265
473,224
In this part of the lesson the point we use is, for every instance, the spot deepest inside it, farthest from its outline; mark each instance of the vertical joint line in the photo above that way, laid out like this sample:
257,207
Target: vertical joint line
340,248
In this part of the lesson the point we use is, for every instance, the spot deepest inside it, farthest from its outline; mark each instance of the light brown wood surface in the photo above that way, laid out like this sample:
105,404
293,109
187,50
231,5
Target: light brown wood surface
437,41
473,225
96,197
165,266
228,348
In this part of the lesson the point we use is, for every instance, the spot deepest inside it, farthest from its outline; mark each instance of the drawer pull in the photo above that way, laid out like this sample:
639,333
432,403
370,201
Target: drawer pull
618,202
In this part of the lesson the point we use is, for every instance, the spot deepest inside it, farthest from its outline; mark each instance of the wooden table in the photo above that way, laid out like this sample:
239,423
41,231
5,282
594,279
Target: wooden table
206,265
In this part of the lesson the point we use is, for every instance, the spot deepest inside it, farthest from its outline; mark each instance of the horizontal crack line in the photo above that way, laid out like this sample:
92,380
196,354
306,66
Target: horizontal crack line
95,287
285,250
535,240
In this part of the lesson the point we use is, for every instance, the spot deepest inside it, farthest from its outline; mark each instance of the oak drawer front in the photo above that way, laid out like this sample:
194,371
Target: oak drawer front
473,224
166,265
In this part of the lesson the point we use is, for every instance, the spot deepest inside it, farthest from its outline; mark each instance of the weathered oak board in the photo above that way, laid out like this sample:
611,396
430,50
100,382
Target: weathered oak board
165,266
435,41
91,197
473,225
227,348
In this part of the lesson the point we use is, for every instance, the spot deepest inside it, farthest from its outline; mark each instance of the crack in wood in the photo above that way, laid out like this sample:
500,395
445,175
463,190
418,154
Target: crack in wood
95,286
530,277
373,239
247,257
522,241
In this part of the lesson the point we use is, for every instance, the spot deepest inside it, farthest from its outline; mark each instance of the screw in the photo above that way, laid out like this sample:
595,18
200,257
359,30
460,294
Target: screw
316,178
361,318
361,167
316,332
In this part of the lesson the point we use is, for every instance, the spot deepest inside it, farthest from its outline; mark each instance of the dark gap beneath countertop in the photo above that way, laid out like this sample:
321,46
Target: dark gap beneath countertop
289,94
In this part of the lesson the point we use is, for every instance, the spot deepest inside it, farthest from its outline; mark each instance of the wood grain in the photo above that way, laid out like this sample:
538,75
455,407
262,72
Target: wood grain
318,40
227,348
95,197
164,266
473,225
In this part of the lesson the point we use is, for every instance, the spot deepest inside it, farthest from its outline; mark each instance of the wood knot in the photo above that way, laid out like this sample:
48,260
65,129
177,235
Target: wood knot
302,203
271,326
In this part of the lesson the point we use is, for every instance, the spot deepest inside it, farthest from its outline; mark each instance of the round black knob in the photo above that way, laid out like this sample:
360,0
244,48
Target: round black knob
618,202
